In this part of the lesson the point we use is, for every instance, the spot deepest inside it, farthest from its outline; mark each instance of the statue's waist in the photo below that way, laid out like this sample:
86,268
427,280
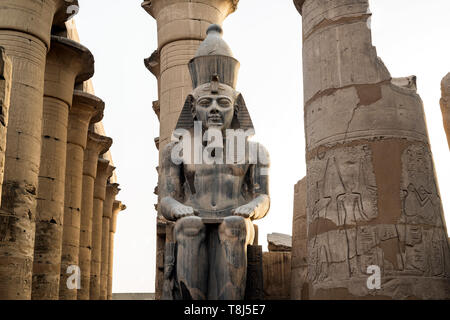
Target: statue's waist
222,213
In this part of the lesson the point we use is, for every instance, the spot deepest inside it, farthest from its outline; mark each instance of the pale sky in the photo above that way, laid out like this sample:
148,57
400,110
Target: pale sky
411,37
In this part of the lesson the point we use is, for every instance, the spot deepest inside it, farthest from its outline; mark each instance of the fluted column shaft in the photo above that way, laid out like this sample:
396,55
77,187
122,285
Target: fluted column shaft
85,106
25,34
117,207
373,203
111,191
67,62
96,145
104,171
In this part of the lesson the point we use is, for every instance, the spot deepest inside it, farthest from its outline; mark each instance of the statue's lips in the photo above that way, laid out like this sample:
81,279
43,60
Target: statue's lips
215,120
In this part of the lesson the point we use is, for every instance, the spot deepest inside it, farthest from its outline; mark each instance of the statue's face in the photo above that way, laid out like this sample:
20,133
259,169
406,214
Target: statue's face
215,109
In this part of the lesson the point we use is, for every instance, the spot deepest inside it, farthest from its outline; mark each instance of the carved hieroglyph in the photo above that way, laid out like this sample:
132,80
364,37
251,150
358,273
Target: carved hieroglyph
372,195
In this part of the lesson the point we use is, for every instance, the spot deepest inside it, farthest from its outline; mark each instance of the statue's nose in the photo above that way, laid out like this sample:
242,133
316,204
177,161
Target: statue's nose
214,108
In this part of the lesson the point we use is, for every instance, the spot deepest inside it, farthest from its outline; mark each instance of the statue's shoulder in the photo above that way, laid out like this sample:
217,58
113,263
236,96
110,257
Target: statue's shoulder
263,153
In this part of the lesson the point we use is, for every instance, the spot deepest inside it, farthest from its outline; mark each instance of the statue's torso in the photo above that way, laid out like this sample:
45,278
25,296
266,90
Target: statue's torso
214,190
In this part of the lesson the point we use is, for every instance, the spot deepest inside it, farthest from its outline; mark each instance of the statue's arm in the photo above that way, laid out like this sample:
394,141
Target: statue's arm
259,183
171,187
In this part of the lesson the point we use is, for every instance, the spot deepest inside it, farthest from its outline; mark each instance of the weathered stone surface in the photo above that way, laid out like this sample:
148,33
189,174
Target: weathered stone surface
299,263
277,275
372,197
96,145
279,242
445,105
104,172
25,35
85,106
67,62
117,207
254,288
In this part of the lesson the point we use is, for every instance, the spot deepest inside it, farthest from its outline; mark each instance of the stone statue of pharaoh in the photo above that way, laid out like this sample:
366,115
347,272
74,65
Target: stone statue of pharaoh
213,192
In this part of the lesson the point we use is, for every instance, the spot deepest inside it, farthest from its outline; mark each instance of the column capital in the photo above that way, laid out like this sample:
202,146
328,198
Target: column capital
84,107
98,143
445,86
68,62
118,206
35,18
112,189
299,4
153,64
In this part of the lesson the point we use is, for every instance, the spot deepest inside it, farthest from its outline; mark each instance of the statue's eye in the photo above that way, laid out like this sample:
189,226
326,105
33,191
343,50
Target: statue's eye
204,102
225,103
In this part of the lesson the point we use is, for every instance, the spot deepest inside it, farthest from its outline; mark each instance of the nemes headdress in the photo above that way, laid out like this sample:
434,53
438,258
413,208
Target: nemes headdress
214,63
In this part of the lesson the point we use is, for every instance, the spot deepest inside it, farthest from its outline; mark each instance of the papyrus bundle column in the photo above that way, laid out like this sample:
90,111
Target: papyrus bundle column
67,62
373,203
85,106
5,94
182,27
96,145
445,105
25,34
111,191
104,172
117,207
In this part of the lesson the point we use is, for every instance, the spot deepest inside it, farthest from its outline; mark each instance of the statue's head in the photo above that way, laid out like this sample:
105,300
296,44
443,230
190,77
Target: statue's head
214,100
214,104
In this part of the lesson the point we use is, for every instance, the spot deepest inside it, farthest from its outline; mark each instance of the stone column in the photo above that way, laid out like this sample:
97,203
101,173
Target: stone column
445,105
373,203
96,145
85,106
117,207
104,171
5,94
67,62
25,34
111,191
182,27
299,262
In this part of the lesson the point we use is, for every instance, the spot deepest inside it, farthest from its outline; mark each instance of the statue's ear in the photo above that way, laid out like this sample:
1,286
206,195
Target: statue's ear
242,119
186,119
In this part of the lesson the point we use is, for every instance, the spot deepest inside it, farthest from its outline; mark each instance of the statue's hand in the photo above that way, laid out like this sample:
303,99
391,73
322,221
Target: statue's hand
181,211
245,211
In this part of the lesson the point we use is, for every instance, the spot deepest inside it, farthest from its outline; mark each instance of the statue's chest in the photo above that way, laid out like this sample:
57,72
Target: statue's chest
203,179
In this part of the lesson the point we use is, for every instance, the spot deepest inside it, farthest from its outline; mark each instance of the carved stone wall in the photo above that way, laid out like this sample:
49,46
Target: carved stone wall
372,195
